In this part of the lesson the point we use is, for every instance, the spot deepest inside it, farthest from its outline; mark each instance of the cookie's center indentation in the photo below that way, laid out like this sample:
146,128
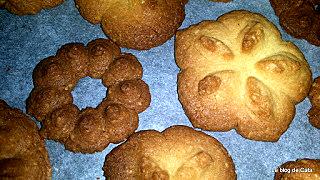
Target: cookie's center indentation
88,92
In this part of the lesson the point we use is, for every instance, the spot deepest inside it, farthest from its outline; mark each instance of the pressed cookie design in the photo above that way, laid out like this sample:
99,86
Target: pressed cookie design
91,129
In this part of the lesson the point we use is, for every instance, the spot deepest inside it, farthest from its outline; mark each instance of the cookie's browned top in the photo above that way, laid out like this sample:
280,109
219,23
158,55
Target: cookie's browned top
22,154
136,24
24,7
92,129
177,153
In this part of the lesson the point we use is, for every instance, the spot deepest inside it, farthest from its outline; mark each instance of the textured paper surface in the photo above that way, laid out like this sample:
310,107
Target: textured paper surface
25,40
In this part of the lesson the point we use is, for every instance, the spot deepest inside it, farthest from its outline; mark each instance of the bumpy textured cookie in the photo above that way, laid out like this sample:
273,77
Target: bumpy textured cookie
300,18
178,153
314,96
238,73
136,24
24,7
301,169
92,129
22,151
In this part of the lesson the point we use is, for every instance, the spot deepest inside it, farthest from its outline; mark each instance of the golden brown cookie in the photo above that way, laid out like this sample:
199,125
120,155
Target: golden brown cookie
177,153
314,96
237,73
301,169
22,151
24,7
135,24
92,129
299,18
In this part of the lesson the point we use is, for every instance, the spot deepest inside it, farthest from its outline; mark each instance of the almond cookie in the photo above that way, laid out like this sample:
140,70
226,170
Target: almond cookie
237,73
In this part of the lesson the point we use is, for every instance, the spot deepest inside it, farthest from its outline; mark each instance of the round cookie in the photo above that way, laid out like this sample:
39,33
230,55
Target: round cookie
22,154
299,18
304,169
314,96
135,24
25,7
92,129
177,153
237,73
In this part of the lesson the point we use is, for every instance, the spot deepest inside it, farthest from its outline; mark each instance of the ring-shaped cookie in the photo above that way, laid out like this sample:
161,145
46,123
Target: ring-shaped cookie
91,129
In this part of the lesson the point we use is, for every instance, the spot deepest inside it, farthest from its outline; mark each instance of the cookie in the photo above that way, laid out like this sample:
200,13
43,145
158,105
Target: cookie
22,154
314,96
26,7
299,18
135,24
304,169
237,73
91,129
178,152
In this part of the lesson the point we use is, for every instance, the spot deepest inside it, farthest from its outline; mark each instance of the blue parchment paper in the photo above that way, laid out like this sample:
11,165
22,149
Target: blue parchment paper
25,40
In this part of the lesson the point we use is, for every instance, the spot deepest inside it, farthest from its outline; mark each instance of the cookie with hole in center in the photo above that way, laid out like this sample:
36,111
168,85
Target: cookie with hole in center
91,129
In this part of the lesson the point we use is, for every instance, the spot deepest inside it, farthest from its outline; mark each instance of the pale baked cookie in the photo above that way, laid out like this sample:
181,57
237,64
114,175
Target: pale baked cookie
237,73
178,153
301,169
24,7
136,24
22,151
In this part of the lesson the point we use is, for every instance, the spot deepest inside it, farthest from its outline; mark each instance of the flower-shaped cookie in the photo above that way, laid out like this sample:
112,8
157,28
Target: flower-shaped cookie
136,24
238,73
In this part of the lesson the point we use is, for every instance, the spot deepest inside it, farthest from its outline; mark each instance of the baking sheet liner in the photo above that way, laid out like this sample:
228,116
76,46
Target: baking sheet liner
25,40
